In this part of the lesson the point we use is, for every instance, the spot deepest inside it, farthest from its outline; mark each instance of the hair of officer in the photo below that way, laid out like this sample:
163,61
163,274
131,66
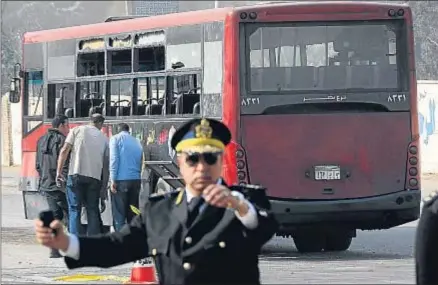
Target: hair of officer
97,119
59,120
123,127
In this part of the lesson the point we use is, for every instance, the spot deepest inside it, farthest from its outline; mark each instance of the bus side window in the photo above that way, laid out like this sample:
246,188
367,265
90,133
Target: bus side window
150,92
120,91
213,70
60,99
34,89
184,46
91,98
186,93
183,52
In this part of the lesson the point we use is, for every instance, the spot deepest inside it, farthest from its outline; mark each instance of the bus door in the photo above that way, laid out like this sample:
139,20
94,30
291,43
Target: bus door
325,110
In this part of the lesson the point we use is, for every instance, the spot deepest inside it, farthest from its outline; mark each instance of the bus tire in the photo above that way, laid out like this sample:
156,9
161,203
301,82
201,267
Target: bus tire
338,242
309,243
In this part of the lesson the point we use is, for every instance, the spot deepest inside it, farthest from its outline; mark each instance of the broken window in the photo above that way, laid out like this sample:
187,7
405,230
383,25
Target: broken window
149,52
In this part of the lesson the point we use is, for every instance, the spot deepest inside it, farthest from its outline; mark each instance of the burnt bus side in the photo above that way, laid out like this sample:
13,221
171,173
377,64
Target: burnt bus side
154,135
61,65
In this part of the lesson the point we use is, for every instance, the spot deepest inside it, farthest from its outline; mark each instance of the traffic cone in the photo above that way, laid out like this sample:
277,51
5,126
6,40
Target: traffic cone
143,272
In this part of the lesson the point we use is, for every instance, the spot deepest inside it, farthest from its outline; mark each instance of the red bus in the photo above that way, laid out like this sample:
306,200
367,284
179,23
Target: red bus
320,98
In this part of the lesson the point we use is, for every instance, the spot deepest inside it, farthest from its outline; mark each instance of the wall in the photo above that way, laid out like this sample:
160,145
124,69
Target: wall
10,135
428,122
5,133
16,116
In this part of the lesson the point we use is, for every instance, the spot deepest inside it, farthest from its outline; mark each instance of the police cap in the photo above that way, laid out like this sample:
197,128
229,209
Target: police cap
201,135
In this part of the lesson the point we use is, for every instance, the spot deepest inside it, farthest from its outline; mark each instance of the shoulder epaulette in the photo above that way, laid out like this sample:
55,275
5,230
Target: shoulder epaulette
162,195
429,199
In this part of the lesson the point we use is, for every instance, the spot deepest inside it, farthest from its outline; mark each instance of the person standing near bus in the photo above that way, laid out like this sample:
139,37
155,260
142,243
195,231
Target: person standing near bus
89,152
47,153
125,173
426,242
207,233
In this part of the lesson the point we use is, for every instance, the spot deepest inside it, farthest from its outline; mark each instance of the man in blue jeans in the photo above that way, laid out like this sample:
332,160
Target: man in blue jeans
87,179
125,174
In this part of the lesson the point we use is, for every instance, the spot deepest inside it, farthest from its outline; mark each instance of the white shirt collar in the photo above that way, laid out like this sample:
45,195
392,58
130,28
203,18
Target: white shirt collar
190,196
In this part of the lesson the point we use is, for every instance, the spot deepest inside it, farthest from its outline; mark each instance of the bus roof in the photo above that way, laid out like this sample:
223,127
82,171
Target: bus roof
177,19
125,26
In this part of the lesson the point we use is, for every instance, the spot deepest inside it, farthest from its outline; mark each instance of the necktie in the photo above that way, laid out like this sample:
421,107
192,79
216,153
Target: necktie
194,206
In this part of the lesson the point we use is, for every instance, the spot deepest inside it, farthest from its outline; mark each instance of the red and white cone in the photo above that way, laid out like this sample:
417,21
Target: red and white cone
143,272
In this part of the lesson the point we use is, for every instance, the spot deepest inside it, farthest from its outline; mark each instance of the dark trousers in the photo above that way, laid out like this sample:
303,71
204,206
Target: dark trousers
127,194
85,191
57,202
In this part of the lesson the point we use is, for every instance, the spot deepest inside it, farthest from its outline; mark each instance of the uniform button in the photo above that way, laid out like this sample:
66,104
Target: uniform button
154,251
188,240
187,266
222,244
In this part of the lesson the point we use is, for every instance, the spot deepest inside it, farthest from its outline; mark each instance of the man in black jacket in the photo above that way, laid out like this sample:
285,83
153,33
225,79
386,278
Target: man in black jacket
207,233
48,148
426,242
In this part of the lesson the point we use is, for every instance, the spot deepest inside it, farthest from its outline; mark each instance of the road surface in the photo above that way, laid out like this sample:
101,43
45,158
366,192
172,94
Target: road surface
375,257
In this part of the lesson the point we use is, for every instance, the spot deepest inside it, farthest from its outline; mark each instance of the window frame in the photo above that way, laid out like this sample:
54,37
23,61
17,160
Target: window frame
401,46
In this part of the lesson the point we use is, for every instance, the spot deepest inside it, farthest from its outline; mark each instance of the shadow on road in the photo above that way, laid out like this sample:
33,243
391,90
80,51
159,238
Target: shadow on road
396,243
268,255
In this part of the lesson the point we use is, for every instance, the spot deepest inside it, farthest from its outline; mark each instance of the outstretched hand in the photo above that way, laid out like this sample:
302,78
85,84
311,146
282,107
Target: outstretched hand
46,237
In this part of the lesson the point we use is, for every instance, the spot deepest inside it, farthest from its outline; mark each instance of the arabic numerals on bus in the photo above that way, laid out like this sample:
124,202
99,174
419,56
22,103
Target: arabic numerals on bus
397,98
250,101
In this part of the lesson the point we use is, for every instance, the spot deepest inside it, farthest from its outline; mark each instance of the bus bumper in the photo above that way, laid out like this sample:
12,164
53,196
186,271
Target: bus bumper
381,212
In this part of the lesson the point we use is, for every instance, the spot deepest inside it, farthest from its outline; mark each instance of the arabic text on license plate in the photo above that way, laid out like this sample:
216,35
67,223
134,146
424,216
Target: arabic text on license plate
327,172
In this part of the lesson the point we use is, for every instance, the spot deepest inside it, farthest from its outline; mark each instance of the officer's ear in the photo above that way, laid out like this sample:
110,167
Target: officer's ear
179,159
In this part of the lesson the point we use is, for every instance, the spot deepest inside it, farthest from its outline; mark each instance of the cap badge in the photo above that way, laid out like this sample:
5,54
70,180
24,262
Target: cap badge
203,130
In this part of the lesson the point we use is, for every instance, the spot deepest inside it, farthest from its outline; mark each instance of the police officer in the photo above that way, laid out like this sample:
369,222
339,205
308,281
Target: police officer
426,247
207,233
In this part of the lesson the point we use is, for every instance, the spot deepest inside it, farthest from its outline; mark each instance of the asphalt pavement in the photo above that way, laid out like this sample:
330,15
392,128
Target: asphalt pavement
375,257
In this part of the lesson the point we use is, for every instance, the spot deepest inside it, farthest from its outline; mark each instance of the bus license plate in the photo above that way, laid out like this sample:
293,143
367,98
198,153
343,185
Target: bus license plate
327,172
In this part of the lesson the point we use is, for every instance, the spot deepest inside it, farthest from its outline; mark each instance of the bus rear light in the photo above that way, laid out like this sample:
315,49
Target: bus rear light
413,182
400,12
253,15
413,160
241,175
239,154
394,13
413,150
240,164
243,15
391,13
413,171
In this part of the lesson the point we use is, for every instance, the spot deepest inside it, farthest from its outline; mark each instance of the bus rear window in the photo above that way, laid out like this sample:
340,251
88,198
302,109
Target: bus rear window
324,56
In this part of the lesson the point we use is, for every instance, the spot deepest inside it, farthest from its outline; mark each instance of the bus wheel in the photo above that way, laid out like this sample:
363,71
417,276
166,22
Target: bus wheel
308,243
338,242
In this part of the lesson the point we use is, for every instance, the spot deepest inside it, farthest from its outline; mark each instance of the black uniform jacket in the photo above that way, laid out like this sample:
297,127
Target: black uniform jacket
426,247
216,249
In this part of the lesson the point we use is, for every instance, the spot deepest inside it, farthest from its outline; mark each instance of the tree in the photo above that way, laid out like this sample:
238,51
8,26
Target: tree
425,15
19,17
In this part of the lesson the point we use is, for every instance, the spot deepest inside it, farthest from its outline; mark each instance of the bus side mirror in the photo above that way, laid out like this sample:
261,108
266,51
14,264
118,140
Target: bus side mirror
14,90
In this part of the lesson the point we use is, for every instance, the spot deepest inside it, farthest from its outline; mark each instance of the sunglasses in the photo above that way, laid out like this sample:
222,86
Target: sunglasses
208,157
